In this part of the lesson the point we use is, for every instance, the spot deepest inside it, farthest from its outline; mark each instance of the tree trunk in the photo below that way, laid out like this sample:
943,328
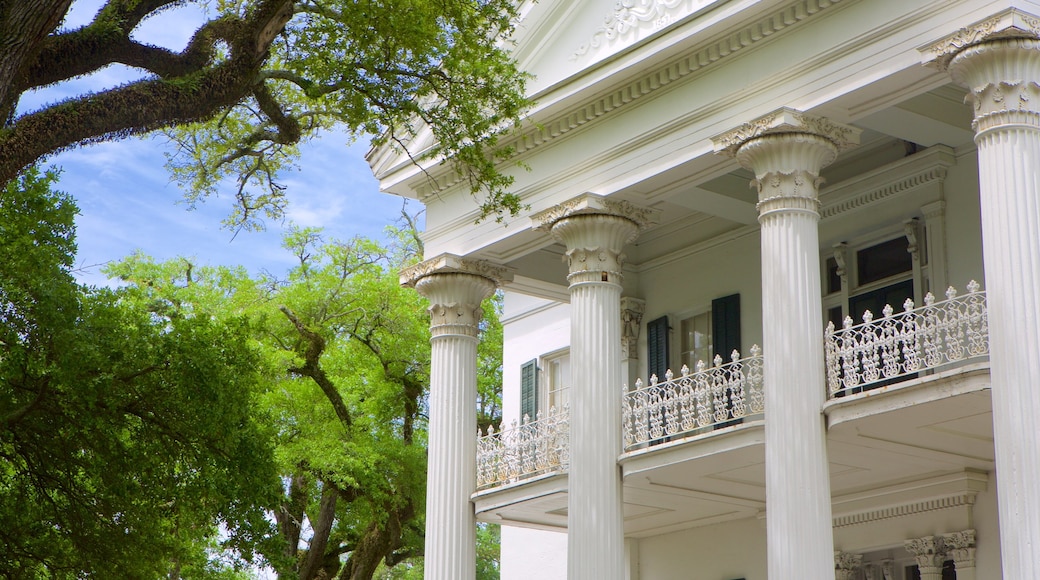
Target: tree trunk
322,528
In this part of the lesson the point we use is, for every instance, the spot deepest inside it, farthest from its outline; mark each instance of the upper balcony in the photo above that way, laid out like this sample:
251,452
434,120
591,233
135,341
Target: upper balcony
907,399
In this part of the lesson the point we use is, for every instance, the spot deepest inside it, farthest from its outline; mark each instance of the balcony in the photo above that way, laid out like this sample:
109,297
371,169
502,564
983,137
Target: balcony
908,400
899,346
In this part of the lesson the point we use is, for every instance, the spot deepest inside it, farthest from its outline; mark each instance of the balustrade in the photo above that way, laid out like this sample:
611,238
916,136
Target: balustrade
524,450
938,334
711,396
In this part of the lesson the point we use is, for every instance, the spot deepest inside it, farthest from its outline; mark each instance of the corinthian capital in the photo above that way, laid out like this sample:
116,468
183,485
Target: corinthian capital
1008,23
455,287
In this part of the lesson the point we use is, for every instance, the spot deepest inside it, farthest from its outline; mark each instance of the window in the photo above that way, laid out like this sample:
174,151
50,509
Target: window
556,369
545,384
702,336
696,340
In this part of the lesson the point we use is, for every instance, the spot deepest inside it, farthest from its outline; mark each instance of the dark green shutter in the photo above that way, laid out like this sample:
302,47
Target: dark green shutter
725,326
657,347
529,389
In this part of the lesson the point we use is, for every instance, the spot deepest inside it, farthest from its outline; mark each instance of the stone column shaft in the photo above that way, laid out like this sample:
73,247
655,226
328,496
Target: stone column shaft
786,150
594,230
455,288
1002,77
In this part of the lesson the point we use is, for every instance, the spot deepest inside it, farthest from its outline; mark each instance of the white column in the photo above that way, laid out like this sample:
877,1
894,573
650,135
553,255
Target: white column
455,288
1002,76
929,554
594,230
786,150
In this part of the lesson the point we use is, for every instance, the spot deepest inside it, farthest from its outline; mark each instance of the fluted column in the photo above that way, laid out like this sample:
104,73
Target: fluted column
455,288
786,151
594,231
929,554
1002,75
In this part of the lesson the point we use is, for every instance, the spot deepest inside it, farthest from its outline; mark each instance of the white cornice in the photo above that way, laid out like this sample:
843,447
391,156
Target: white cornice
936,493
876,186
694,61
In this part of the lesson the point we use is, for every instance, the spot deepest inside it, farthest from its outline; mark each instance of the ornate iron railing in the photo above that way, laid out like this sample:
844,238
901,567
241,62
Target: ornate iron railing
524,450
711,396
937,334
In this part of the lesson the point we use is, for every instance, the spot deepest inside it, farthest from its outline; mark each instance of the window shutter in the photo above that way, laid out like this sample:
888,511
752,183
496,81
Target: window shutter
657,347
725,325
529,389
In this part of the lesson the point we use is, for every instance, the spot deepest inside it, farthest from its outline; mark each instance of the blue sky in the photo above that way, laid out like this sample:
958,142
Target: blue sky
127,201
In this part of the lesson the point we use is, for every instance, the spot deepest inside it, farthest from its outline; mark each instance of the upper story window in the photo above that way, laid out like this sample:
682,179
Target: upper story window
702,335
545,384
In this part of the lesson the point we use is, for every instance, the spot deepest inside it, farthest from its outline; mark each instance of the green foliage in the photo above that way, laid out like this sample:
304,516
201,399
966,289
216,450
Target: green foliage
127,436
389,70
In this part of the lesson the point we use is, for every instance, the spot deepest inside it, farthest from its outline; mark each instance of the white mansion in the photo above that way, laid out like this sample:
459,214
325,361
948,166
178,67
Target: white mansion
831,373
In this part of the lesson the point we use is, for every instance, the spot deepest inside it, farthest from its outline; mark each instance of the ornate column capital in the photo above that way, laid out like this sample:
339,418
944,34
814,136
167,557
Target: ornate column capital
847,566
786,121
632,310
786,149
1001,77
593,204
961,547
455,287
1008,23
594,230
929,552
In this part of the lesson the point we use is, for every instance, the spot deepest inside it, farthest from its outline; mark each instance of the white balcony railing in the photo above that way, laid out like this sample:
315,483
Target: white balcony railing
524,450
937,334
711,396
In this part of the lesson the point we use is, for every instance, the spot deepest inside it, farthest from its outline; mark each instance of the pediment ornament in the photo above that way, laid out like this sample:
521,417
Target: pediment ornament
631,16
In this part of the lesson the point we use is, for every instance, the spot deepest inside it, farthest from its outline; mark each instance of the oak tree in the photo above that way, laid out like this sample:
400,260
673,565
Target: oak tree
259,76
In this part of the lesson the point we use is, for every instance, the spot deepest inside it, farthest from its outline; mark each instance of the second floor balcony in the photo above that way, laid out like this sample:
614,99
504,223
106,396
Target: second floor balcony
692,444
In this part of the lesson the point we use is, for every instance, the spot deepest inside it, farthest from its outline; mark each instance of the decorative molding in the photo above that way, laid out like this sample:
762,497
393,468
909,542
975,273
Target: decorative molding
929,552
1009,23
847,566
961,547
907,509
834,208
592,204
785,121
632,310
453,264
631,16
707,55
879,570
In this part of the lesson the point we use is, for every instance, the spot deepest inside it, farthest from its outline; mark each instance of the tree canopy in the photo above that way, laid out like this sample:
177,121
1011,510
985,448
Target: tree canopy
129,438
349,351
260,76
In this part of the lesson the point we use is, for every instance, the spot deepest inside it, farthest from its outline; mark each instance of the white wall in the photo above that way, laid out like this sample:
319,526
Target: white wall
724,551
533,554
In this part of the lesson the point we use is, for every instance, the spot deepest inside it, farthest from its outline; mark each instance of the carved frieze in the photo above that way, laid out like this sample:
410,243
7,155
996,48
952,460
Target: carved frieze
783,121
630,17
